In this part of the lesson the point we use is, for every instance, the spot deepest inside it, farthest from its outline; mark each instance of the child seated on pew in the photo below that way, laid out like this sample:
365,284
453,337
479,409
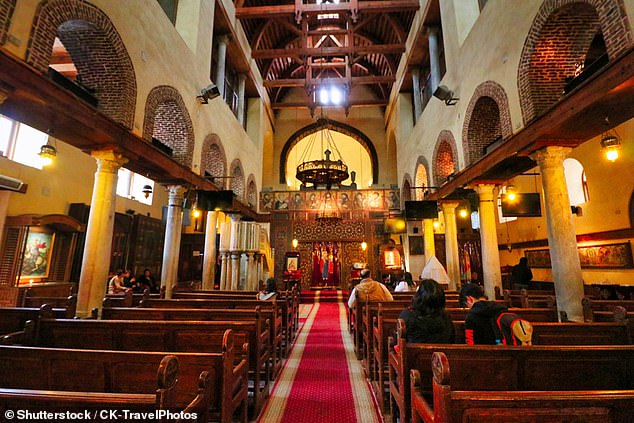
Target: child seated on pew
490,323
269,290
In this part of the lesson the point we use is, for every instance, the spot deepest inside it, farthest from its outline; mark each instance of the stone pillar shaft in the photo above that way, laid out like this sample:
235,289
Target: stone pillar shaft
451,243
97,250
434,59
428,237
224,270
250,285
171,248
221,63
209,259
562,240
241,97
492,276
418,108
235,270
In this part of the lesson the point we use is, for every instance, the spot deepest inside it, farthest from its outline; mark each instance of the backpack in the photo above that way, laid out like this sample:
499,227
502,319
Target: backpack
511,329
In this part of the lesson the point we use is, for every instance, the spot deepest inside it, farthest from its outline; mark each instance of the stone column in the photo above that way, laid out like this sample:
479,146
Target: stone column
562,239
171,248
224,270
96,260
209,259
242,78
434,59
235,270
258,273
428,238
221,61
451,243
418,108
492,276
251,271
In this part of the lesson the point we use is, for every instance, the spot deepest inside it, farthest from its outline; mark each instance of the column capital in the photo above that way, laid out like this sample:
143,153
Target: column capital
485,191
449,205
553,155
234,217
176,195
108,161
223,39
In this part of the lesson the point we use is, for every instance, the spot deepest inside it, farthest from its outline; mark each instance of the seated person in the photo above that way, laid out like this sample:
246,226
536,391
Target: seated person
425,319
406,285
116,284
146,281
369,290
490,323
269,290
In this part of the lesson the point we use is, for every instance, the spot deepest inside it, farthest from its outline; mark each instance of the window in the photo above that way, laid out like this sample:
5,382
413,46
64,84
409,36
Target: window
130,185
576,182
20,142
501,218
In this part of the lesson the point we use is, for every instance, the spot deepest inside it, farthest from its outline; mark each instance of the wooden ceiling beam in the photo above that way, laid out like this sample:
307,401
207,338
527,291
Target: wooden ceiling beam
329,51
354,103
357,80
267,12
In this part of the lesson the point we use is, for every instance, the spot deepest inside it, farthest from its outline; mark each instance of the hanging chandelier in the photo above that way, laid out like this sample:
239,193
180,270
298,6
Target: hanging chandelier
326,171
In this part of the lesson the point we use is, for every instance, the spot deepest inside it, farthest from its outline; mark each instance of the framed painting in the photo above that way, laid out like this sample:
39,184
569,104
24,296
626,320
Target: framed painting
36,261
416,247
606,256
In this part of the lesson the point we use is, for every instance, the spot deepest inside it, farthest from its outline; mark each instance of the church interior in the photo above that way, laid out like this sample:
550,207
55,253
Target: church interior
162,160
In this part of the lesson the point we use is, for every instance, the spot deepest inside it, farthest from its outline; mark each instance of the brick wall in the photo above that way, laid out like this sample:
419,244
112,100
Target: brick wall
97,51
487,117
167,119
6,11
421,178
445,157
237,182
213,159
559,38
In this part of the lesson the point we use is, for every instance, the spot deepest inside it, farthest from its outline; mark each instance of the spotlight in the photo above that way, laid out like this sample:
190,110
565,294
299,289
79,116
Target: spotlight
208,93
511,194
445,94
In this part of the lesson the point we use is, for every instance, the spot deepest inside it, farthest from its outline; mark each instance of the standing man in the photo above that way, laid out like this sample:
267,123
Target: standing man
369,290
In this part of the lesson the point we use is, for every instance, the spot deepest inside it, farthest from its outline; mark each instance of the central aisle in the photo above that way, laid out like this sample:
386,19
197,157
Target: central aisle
322,381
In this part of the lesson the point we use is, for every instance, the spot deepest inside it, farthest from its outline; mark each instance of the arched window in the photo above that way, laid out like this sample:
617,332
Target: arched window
421,181
576,182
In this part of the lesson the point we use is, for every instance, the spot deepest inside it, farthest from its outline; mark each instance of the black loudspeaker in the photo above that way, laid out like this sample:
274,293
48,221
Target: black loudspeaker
418,210
214,200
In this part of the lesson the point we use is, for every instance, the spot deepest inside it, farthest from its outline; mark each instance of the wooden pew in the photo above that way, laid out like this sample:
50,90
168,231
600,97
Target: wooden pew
12,319
590,306
228,371
519,394
269,309
54,379
285,300
123,299
69,302
560,367
529,299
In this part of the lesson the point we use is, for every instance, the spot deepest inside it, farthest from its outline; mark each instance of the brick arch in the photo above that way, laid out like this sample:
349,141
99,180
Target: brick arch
487,118
167,119
421,177
560,36
406,188
6,12
213,159
237,180
252,191
445,157
96,49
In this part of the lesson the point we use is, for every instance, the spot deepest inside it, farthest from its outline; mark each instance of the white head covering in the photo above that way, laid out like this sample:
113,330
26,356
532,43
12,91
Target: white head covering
434,270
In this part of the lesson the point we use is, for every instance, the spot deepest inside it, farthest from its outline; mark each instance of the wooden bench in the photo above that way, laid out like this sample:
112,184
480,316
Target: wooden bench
54,379
518,394
497,367
123,299
12,319
69,302
528,299
269,309
228,370
590,306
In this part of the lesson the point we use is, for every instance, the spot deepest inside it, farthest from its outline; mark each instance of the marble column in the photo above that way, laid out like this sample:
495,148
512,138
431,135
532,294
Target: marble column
562,239
221,61
172,245
242,78
224,270
428,238
209,259
258,273
235,270
492,276
418,108
97,249
434,58
451,243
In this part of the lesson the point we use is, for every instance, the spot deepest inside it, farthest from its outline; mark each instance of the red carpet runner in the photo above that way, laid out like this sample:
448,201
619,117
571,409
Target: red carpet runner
322,382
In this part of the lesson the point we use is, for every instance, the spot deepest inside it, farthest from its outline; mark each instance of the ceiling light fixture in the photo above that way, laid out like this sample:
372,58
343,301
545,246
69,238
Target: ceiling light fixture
610,143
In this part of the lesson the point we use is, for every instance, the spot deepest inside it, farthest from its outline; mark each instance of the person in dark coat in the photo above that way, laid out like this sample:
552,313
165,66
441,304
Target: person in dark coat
521,274
425,319
480,320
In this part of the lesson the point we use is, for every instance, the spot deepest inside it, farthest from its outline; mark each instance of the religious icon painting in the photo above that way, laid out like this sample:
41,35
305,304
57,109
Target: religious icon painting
36,261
